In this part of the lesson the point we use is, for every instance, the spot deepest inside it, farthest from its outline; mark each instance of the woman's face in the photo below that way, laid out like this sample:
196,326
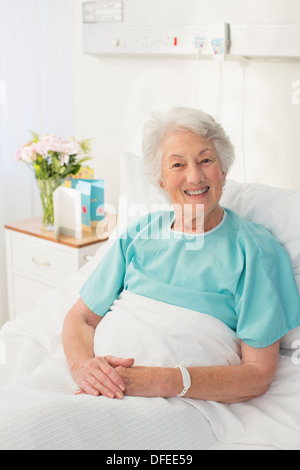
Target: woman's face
192,175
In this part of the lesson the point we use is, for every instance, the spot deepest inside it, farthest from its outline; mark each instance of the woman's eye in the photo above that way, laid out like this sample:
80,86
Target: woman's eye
205,160
176,165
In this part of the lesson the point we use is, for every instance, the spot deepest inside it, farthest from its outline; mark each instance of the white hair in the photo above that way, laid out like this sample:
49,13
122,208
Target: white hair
159,126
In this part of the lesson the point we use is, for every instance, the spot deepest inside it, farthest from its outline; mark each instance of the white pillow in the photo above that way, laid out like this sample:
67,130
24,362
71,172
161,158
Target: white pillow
134,183
275,208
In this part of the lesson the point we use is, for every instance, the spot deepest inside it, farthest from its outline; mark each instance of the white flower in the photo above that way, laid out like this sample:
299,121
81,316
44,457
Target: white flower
64,159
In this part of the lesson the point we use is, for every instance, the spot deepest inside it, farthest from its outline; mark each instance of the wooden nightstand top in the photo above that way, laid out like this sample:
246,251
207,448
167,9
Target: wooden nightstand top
33,227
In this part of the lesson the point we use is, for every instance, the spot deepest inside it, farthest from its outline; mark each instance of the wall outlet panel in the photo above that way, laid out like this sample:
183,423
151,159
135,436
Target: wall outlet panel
208,40
111,28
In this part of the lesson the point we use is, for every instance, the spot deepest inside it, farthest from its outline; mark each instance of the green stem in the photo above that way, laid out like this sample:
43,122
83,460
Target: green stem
47,187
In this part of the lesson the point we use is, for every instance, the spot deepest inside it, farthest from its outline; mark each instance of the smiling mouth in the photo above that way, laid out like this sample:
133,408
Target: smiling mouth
197,192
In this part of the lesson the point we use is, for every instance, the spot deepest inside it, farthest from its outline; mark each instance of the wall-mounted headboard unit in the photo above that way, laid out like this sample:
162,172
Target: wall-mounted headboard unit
147,28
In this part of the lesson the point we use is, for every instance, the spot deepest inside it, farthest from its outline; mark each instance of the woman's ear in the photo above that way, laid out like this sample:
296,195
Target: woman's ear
224,177
161,184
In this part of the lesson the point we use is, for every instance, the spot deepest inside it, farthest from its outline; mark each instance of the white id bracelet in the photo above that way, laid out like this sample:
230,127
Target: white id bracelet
186,380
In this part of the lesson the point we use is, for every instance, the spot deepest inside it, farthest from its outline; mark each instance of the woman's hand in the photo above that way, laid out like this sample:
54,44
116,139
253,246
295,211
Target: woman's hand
94,375
98,376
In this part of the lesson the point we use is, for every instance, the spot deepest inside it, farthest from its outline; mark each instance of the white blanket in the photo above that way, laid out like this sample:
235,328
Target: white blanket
38,409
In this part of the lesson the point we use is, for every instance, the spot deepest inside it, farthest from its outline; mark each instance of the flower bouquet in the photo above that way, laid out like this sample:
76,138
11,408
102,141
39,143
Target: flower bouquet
52,159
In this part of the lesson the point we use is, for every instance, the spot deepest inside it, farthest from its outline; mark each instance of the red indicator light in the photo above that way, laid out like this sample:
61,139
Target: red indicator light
175,41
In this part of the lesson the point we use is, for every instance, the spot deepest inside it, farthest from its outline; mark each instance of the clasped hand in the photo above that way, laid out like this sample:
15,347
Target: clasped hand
102,376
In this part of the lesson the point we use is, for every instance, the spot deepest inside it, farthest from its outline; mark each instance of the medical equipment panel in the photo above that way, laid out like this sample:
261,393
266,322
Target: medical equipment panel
126,28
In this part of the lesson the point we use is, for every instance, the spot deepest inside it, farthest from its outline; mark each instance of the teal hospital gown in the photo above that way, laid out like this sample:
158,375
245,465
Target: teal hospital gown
237,272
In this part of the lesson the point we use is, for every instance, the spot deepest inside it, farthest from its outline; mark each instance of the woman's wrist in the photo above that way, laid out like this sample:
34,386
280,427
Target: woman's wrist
152,381
169,381
186,381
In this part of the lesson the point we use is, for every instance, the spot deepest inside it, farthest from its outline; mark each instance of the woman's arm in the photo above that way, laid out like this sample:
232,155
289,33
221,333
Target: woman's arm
95,376
225,384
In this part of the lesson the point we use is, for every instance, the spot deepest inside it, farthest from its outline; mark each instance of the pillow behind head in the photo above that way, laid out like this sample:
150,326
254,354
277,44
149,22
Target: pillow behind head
137,195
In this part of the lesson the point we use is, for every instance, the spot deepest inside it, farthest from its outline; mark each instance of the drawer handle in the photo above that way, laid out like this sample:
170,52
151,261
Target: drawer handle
87,257
40,263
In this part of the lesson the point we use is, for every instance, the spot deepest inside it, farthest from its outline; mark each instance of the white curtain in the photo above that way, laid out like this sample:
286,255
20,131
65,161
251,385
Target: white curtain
36,94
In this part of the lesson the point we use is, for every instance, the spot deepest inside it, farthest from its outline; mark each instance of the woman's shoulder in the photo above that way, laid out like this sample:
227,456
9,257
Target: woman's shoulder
251,233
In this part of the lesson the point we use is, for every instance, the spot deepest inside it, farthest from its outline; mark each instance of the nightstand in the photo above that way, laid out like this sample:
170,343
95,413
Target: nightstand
36,262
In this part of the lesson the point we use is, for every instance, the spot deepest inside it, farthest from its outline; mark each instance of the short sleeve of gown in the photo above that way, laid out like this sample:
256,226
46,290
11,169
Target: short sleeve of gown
106,283
267,300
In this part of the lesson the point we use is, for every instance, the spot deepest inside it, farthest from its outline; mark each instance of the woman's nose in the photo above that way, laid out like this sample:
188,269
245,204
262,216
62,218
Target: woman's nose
194,174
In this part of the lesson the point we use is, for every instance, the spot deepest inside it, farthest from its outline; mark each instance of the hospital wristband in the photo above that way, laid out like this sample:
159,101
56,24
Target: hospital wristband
186,380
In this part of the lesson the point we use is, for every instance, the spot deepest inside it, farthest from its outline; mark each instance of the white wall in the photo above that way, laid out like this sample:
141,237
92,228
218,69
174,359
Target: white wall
254,102
36,41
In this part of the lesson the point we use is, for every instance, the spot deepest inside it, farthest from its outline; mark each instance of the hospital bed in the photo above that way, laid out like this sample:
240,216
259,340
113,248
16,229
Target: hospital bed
38,408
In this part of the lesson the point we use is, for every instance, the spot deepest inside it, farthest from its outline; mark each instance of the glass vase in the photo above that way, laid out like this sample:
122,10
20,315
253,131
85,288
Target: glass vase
47,187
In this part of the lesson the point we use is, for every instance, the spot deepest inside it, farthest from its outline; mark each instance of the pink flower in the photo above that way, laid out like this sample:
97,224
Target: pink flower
48,143
27,153
56,151
70,147
18,155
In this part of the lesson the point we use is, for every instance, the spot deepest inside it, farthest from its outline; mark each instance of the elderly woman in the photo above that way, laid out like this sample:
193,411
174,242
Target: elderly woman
232,276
